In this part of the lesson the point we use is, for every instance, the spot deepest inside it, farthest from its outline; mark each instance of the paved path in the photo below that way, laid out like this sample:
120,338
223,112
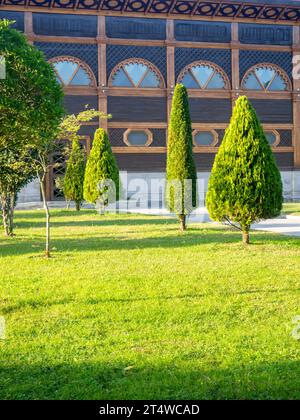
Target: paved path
289,225
285,225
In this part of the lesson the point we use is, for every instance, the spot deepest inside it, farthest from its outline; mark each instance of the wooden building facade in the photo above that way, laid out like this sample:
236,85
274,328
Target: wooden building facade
124,57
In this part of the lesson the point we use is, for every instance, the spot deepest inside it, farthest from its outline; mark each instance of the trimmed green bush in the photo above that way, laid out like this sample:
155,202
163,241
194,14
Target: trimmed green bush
101,166
245,184
74,178
180,161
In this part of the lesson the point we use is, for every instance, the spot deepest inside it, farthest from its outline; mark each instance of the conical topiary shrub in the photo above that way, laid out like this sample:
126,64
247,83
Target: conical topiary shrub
101,166
245,184
74,178
181,168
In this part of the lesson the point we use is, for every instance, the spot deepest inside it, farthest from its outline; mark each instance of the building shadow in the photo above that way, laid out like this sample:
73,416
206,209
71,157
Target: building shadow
182,379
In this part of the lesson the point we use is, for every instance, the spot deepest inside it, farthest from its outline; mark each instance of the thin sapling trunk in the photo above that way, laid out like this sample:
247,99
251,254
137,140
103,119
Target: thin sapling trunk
47,212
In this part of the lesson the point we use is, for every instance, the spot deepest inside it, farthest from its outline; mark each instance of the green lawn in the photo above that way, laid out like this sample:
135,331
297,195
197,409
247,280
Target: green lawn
129,308
292,208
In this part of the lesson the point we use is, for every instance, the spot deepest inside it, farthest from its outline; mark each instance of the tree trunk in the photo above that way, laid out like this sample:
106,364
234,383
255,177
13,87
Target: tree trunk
182,220
246,237
77,205
46,208
5,214
12,204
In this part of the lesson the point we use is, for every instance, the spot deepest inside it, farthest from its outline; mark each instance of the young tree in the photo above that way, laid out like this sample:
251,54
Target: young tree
101,166
181,191
30,109
73,180
245,184
72,183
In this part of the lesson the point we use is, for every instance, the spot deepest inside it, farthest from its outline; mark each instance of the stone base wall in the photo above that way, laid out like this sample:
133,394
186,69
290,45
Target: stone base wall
145,187
151,185
31,193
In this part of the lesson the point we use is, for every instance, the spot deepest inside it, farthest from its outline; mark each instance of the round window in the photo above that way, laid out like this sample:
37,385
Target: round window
137,138
204,138
271,137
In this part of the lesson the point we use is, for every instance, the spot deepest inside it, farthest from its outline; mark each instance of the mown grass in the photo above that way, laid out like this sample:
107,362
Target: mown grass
292,208
129,308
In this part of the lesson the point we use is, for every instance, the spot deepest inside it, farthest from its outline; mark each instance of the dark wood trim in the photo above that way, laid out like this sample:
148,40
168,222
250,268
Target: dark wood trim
170,30
136,125
166,43
196,150
73,90
198,93
207,126
163,93
28,23
235,62
37,9
133,150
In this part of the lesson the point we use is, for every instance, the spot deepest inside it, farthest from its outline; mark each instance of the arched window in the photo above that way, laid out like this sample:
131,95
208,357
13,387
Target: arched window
72,72
203,75
266,77
136,73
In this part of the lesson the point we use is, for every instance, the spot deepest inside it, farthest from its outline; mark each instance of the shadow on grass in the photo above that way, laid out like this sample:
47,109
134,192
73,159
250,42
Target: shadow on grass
193,237
33,304
182,379
36,219
45,302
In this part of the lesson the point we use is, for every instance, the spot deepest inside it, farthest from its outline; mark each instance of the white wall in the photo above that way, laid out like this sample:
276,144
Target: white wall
138,183
31,193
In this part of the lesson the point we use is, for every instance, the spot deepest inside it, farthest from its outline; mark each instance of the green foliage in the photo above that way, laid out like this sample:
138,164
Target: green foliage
30,113
180,162
101,166
15,171
71,124
74,178
72,185
30,97
245,185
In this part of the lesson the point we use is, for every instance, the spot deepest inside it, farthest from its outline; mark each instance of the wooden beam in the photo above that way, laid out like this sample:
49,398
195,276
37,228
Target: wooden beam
170,65
101,28
102,75
196,149
170,31
235,62
28,26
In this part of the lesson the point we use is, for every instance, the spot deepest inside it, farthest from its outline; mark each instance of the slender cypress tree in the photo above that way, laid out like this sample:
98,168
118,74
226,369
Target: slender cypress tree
181,192
101,166
245,184
74,178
